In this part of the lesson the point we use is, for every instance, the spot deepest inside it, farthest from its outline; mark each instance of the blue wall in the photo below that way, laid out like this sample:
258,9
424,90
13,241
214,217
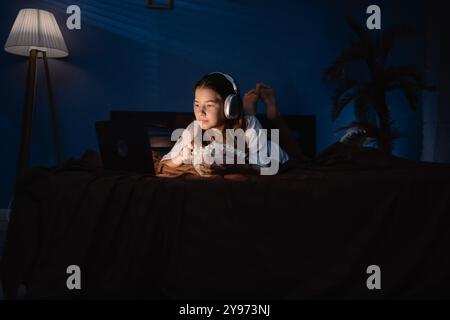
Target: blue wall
131,58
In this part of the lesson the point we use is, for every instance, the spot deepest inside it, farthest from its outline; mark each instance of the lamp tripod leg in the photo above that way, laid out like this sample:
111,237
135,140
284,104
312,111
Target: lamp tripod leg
27,118
53,110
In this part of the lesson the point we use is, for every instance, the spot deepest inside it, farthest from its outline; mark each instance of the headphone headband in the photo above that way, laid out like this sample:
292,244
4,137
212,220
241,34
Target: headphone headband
229,78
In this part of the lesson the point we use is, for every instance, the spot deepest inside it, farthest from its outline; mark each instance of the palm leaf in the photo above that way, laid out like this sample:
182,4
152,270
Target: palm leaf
364,103
394,36
341,102
342,97
396,74
363,35
413,94
336,72
408,80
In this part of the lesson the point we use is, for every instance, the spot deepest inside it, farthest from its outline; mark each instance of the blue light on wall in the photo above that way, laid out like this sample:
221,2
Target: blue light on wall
131,58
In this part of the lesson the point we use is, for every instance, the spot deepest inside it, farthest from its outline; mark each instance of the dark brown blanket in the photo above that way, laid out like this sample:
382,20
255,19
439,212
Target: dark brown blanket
310,232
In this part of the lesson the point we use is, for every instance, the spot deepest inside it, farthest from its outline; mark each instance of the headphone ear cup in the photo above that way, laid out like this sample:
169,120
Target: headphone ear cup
232,107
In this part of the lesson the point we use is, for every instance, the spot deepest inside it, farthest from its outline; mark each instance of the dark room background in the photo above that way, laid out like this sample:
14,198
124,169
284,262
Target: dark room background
127,57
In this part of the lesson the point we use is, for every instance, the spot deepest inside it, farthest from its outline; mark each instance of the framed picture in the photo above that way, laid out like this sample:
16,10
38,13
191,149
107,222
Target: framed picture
151,5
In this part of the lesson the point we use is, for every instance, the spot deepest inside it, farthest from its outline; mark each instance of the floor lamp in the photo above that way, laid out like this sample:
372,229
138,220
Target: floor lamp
35,34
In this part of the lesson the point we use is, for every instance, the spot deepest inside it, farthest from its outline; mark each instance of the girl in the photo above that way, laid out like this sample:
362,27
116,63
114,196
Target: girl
212,96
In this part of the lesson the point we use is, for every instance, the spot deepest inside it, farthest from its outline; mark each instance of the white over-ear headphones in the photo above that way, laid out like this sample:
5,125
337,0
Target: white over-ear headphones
232,106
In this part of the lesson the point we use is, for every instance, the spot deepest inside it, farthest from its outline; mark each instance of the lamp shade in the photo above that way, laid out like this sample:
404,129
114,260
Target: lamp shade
36,29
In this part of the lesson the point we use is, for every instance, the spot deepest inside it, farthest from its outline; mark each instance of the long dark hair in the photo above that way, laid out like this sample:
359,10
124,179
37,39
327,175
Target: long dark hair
220,84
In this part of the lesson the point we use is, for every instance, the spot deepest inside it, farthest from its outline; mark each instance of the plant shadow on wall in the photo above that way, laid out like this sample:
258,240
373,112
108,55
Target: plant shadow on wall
374,121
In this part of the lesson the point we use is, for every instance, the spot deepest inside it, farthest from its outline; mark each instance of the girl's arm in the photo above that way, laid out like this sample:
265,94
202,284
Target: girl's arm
182,149
181,158
171,163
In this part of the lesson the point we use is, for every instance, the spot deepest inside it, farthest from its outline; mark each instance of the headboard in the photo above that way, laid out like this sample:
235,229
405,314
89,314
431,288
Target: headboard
161,125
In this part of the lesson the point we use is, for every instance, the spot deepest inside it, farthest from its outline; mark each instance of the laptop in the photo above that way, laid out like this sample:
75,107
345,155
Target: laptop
124,146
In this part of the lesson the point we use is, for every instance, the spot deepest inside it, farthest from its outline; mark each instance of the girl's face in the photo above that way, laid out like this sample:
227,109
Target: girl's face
208,109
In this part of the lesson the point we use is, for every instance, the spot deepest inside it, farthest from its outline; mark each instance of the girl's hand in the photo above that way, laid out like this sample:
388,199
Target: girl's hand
249,103
268,96
185,155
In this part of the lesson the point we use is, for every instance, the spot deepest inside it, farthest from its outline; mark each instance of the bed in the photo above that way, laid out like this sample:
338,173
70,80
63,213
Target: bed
310,232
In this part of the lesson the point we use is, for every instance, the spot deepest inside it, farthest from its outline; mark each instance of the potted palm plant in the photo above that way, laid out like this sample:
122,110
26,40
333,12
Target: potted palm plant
373,117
